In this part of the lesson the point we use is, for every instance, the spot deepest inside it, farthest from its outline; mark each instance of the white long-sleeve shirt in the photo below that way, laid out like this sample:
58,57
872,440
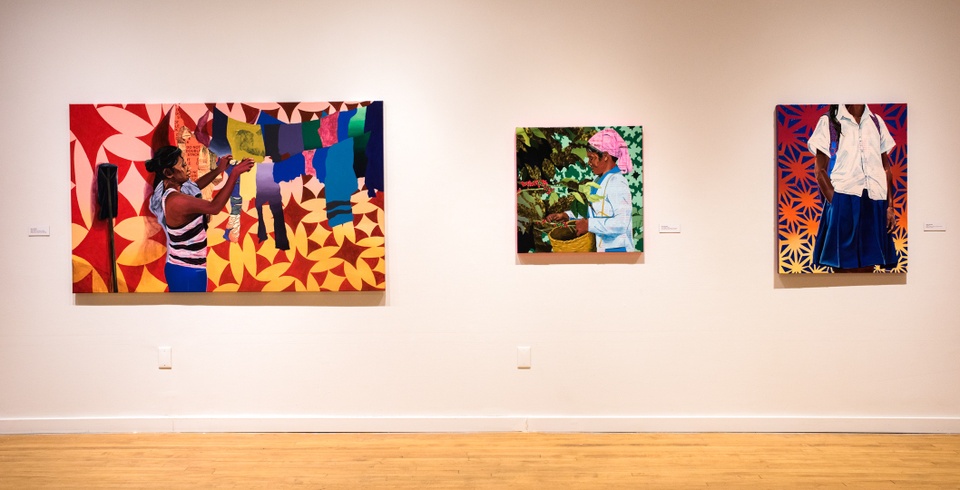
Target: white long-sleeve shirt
610,218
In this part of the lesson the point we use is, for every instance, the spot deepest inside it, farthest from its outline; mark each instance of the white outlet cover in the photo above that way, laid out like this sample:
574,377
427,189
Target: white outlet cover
165,357
523,357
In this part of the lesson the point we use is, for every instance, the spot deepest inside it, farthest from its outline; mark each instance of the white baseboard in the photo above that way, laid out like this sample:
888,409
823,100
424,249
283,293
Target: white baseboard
921,425
893,425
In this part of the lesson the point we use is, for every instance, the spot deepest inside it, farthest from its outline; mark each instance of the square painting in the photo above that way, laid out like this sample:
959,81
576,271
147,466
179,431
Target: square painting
580,189
227,197
842,188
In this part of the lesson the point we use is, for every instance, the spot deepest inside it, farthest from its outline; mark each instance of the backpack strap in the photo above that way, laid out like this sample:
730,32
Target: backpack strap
876,123
834,142
833,138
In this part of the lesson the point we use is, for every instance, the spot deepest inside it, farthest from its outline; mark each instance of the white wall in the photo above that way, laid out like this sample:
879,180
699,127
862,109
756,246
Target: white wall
702,334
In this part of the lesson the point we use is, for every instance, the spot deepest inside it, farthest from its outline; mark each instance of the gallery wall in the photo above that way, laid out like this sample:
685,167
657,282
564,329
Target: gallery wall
698,334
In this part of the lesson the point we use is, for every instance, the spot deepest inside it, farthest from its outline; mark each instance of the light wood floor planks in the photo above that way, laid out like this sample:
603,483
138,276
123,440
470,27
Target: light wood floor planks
480,461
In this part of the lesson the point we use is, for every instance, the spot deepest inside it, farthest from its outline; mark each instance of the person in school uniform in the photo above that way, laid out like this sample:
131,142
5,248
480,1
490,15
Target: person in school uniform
851,145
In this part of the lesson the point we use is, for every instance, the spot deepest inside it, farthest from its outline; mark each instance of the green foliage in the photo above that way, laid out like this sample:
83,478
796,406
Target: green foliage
530,209
542,152
522,136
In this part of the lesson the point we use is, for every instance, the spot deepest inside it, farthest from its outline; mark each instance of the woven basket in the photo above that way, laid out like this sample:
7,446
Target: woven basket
583,243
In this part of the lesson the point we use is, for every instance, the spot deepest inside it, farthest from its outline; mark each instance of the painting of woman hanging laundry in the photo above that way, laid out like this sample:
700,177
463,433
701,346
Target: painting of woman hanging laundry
222,197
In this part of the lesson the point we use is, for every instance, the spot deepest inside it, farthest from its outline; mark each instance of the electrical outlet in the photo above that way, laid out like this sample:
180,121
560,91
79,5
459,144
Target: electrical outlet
165,357
523,357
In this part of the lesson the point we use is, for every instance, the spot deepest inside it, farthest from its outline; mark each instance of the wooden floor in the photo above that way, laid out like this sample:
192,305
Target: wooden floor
480,461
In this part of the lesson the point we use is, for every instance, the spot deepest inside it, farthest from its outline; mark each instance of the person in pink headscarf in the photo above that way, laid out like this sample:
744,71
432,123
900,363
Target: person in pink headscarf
609,218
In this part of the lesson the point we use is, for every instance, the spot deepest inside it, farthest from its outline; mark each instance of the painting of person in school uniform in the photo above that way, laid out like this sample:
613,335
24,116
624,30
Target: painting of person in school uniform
842,188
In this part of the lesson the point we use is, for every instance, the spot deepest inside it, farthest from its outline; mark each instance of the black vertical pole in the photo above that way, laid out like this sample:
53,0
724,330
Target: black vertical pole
107,199
113,257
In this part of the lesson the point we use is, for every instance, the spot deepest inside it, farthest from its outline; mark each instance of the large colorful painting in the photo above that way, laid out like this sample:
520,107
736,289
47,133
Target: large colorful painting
228,197
580,189
842,188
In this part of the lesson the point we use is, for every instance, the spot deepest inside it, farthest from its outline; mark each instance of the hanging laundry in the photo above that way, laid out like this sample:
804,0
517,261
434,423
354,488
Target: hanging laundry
268,194
291,140
357,122
343,124
271,140
290,169
373,125
246,140
340,182
328,130
311,134
218,138
204,129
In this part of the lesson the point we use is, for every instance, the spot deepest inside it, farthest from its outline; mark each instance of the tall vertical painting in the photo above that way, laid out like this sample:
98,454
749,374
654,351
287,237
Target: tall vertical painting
227,197
842,188
580,189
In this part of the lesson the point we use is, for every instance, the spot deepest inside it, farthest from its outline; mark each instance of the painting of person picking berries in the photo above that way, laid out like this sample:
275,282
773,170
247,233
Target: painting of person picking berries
580,189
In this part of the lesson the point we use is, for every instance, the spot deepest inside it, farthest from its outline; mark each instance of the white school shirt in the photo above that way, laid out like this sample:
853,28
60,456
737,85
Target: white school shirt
859,149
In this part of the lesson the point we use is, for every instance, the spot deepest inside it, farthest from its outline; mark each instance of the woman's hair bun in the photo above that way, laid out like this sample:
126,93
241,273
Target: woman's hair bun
164,157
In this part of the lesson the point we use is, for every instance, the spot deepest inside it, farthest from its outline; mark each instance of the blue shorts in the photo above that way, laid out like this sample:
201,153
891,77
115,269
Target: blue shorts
182,279
853,233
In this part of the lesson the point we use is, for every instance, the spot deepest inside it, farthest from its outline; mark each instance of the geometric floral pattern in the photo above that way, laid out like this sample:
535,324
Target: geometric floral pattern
798,196
349,256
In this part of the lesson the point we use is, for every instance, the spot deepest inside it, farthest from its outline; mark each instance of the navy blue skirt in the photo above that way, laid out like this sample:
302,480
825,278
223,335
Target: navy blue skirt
853,233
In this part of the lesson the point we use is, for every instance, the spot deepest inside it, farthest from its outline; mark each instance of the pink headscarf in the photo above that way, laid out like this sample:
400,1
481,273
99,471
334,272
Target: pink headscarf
610,141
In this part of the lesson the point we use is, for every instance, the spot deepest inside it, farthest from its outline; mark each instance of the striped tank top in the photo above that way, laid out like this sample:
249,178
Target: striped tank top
187,244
